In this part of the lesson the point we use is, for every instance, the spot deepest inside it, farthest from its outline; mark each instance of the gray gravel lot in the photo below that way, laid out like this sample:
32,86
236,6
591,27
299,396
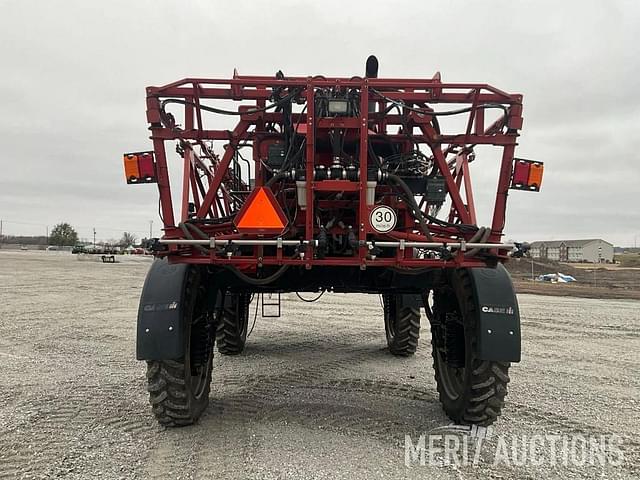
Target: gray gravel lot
315,395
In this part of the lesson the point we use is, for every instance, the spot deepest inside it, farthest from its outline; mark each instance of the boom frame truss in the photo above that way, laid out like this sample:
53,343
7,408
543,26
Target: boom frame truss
207,235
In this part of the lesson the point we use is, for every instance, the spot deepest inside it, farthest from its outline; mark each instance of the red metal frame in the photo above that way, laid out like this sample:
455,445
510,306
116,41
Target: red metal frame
208,182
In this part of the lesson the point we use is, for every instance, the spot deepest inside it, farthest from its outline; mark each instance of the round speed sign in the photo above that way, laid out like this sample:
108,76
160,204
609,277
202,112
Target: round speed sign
383,219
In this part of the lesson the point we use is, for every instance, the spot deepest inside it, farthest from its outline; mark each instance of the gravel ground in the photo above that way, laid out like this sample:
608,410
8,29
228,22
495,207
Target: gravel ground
315,395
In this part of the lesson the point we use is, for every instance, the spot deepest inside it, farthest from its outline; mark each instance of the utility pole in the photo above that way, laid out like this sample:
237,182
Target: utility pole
47,235
150,229
94,237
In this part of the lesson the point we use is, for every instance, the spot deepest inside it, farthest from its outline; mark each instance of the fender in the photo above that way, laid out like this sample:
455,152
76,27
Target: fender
498,314
160,315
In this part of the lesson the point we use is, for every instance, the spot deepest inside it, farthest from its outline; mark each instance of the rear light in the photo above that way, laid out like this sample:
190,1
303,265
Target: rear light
338,106
535,176
147,167
140,167
527,175
131,170
520,174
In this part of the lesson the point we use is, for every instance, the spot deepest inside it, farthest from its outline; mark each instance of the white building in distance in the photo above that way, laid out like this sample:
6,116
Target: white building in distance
590,250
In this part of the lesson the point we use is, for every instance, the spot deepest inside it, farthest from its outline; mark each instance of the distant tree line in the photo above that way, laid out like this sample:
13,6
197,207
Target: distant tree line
24,240
64,235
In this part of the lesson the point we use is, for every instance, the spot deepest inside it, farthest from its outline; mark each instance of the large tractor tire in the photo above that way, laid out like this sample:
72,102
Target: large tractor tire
179,389
233,320
471,390
401,324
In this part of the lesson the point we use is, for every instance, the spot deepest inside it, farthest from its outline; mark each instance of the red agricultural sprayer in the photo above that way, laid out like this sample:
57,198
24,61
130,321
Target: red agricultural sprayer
299,184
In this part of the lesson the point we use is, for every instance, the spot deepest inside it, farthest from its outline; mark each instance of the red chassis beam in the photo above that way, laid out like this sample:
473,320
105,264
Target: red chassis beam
209,195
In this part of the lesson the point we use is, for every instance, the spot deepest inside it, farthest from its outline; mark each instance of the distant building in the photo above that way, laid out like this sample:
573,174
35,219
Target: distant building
590,250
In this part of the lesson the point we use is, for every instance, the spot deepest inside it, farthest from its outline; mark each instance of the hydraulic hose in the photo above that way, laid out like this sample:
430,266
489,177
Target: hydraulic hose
253,281
193,227
187,233
477,236
483,237
411,201
276,178
310,300
220,111
258,281
245,278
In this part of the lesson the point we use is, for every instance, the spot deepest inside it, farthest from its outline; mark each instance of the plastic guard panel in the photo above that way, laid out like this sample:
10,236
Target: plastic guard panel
498,314
160,330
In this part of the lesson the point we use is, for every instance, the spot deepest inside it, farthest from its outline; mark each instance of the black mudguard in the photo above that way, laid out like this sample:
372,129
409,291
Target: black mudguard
160,315
498,314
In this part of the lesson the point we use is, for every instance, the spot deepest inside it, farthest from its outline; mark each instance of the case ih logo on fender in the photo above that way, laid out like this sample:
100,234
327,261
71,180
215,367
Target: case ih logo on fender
492,309
160,307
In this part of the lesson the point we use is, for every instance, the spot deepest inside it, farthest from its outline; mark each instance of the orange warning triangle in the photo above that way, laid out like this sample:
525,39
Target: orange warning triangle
261,213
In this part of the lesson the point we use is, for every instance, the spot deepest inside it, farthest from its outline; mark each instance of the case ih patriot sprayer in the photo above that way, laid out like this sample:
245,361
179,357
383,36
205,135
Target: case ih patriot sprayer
340,184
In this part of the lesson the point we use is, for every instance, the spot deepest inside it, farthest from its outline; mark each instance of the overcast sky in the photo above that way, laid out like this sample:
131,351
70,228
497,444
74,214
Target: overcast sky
73,73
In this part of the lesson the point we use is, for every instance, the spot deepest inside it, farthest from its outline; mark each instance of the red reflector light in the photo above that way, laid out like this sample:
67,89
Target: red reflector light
140,167
147,167
261,213
527,175
520,173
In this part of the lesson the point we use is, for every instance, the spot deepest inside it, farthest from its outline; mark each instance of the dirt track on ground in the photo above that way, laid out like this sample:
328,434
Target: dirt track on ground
315,395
